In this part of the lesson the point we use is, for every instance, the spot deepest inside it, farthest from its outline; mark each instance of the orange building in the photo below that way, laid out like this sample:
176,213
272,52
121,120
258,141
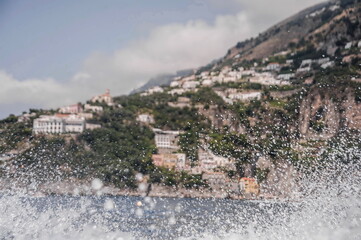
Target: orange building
169,160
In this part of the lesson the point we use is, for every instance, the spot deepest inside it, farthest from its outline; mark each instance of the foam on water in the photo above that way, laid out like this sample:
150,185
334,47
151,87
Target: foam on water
328,207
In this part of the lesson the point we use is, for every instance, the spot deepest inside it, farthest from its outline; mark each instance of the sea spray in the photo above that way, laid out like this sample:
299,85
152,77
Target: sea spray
327,206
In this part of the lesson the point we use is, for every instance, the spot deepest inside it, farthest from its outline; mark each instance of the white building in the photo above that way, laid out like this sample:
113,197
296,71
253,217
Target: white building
328,64
322,61
334,7
245,96
286,76
177,91
229,79
314,14
58,124
283,53
304,69
273,67
214,73
166,140
235,74
97,109
204,74
217,79
209,161
306,62
250,72
190,84
48,125
74,124
348,45
174,84
92,126
207,82
156,89
145,118
266,78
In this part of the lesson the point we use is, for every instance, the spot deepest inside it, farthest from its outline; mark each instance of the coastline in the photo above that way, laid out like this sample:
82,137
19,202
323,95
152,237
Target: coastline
84,188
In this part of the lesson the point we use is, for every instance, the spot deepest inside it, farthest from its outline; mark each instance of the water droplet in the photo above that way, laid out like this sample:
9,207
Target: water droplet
109,204
97,184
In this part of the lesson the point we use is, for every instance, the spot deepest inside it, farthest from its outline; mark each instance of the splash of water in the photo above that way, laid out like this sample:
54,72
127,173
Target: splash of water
328,207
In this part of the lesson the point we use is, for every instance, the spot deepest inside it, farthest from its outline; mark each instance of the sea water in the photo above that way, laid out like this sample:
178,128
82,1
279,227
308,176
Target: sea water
62,217
326,206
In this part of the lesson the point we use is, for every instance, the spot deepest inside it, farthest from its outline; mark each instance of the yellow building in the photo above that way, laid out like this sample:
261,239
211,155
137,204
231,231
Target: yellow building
249,186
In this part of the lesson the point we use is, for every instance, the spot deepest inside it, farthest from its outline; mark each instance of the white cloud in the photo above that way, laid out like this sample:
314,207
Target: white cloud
32,91
168,49
45,93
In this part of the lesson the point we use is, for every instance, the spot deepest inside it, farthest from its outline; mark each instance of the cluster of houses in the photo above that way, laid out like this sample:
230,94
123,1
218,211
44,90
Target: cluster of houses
191,83
71,118
306,65
227,75
169,155
231,95
212,167
268,73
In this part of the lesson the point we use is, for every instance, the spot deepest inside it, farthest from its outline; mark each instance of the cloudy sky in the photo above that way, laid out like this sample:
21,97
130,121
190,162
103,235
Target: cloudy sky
58,52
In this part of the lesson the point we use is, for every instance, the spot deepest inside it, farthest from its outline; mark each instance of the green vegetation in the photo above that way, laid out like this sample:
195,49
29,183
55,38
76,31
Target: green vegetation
277,59
232,145
13,133
177,179
205,96
278,103
282,88
170,118
261,174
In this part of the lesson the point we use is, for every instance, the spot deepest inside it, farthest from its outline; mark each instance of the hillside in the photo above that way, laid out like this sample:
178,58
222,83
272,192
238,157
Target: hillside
279,110
327,26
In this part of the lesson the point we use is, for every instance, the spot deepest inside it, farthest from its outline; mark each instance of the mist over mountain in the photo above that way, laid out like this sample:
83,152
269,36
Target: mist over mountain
164,79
